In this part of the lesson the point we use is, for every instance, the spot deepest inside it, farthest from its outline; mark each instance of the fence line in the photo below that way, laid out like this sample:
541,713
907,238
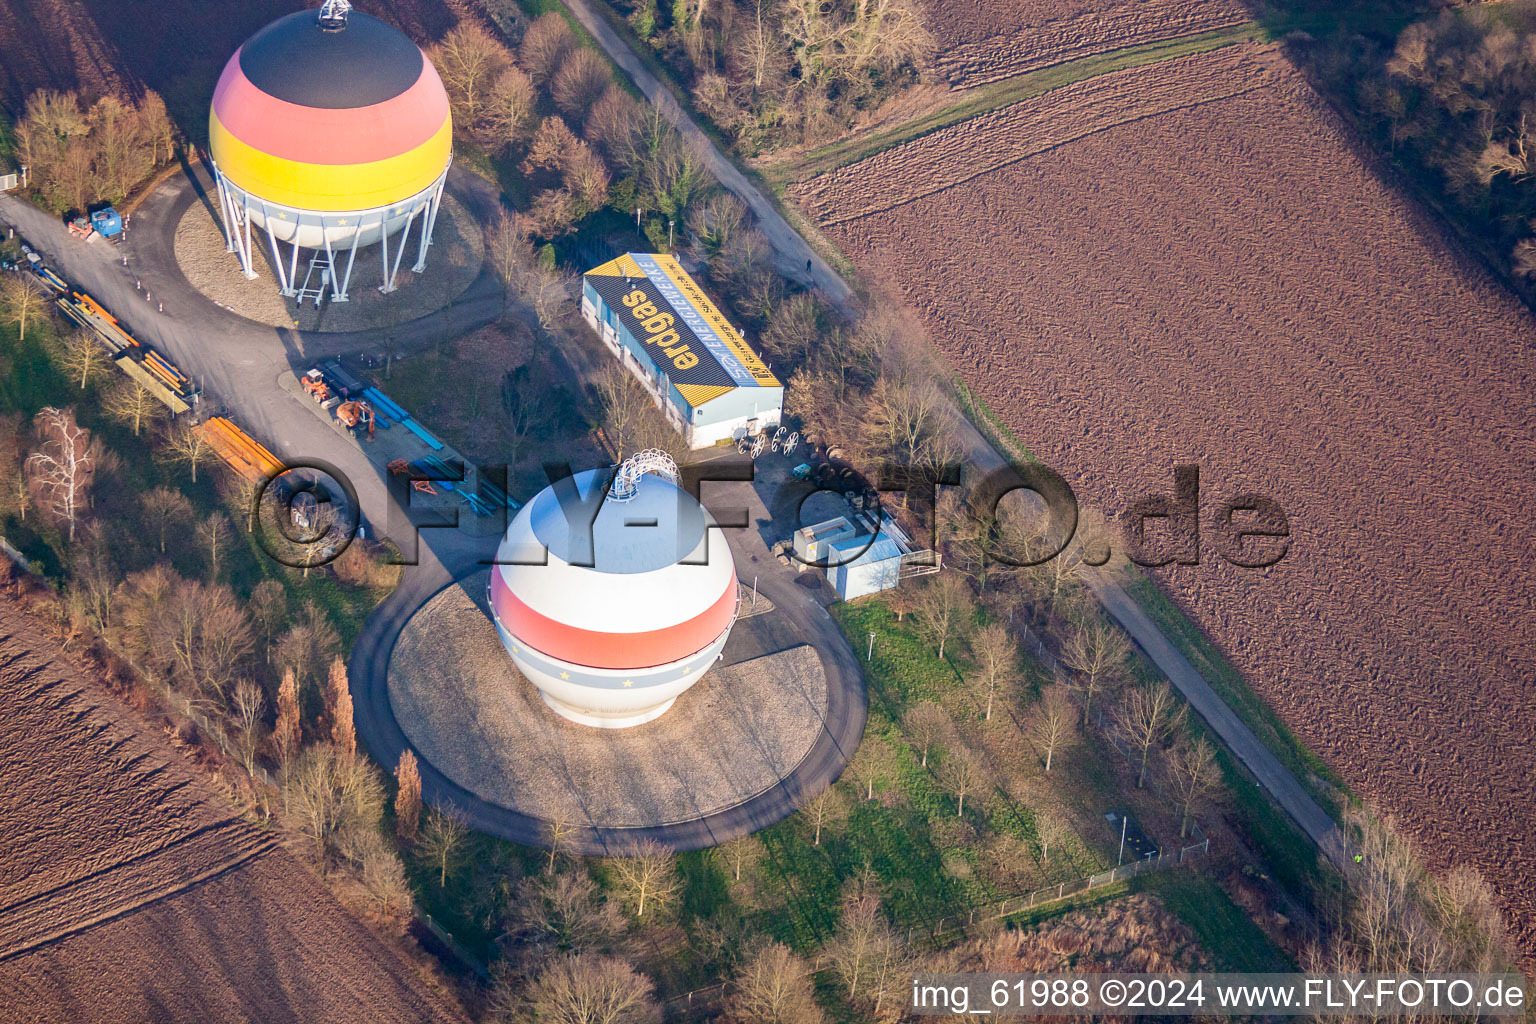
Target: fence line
1055,893
444,936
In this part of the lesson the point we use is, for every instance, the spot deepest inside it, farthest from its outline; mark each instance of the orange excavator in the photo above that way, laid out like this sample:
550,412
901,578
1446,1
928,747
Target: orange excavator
354,413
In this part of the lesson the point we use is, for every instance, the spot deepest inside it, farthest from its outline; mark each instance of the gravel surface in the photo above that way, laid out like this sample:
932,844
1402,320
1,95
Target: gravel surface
131,891
454,259
1229,284
467,711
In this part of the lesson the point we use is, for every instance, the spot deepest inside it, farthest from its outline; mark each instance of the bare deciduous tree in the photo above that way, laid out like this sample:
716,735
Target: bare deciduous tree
646,876
622,400
62,469
962,772
84,358
1096,653
1194,776
133,404
329,793
1146,716
249,704
308,645
927,724
564,910
612,123
1051,722
827,808
215,532
775,986
874,762
269,607
863,945
189,447
23,299
997,660
942,608
442,837
590,988
510,108
582,79
545,46
551,142
469,60
549,293
167,509
382,875
586,179
560,832
740,854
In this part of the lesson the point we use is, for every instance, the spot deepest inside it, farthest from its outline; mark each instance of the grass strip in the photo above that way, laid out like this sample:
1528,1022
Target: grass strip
995,95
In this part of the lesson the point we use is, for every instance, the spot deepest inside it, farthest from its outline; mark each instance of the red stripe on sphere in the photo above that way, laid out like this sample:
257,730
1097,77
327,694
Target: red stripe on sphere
314,135
596,649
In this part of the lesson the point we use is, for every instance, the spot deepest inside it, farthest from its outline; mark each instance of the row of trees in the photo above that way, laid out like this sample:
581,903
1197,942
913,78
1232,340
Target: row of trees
771,73
76,155
1450,99
593,147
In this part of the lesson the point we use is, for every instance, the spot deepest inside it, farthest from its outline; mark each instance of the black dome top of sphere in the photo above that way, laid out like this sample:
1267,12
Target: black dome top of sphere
296,60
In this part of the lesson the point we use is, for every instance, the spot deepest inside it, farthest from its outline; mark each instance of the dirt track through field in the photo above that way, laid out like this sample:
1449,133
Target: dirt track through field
129,890
1231,284
981,41
961,152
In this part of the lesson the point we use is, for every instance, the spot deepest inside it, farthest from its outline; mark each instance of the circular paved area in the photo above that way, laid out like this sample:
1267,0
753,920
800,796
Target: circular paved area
462,704
789,616
453,261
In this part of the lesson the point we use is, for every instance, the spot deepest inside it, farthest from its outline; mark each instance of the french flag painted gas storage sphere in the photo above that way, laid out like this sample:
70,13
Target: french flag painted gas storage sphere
612,624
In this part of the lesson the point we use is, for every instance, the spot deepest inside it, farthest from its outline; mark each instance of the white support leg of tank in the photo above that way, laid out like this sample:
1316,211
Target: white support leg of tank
340,295
384,250
229,239
248,253
293,264
284,285
429,223
405,234
237,228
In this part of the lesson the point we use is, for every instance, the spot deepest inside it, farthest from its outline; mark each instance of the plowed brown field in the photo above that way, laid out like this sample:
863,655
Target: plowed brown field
1224,280
982,41
131,891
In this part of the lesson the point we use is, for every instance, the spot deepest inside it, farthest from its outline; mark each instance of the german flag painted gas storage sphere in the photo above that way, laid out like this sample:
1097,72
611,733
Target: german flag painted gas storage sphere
613,625
327,121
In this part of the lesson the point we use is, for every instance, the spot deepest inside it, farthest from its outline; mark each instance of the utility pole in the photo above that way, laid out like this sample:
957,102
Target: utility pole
870,656
754,592
1123,822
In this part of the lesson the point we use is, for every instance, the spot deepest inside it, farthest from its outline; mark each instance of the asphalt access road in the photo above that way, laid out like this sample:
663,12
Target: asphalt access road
237,361
801,611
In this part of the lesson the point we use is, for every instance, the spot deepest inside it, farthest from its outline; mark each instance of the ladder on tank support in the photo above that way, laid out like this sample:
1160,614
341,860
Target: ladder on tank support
323,265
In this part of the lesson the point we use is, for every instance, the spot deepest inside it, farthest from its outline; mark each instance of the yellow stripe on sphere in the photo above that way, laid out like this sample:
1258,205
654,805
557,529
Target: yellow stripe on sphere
330,187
